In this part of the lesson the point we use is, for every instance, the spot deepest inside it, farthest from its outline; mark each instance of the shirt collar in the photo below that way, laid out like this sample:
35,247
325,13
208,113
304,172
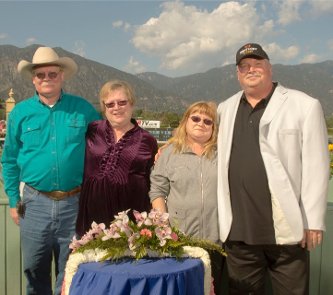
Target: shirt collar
38,99
264,101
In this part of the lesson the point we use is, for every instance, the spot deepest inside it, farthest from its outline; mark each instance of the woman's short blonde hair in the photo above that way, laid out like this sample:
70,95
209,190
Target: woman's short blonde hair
179,140
112,85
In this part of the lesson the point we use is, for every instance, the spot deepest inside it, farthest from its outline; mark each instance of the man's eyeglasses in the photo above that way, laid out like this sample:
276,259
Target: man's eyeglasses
245,67
120,103
43,75
197,119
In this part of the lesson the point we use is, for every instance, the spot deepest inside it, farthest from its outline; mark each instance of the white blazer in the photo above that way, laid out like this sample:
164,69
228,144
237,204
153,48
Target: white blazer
294,146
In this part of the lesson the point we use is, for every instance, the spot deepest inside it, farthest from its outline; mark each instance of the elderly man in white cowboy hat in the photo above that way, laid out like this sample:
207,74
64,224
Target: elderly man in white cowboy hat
44,149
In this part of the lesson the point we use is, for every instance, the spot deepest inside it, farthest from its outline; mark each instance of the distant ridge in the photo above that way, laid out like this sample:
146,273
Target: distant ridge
220,83
87,83
156,92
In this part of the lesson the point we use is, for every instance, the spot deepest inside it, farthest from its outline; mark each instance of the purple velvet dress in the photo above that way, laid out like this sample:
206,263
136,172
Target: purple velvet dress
116,174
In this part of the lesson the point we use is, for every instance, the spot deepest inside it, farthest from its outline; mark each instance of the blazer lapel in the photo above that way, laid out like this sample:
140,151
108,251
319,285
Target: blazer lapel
278,98
230,123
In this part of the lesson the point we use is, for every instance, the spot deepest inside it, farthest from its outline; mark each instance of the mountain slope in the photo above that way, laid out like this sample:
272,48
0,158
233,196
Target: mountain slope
87,83
156,92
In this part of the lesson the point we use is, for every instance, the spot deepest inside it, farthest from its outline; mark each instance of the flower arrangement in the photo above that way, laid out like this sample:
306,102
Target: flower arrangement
151,233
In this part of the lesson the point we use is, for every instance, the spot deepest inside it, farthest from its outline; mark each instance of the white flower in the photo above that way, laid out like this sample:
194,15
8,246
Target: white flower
196,252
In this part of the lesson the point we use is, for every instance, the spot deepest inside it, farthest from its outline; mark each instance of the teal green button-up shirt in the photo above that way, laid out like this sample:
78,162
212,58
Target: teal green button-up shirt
44,146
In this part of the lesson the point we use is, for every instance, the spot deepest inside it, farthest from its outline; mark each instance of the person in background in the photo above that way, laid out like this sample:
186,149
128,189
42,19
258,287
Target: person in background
273,179
184,179
44,148
119,156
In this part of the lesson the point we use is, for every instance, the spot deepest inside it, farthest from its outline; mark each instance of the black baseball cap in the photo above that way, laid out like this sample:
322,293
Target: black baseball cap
250,50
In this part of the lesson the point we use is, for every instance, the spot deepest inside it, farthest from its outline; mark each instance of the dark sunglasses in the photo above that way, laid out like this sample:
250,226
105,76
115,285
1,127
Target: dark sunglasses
120,103
197,119
50,75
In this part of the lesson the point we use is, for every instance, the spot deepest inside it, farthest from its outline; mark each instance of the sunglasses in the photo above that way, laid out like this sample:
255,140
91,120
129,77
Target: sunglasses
120,103
50,75
197,119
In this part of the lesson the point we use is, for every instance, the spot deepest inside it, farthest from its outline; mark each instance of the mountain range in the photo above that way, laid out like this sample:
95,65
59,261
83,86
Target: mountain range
156,92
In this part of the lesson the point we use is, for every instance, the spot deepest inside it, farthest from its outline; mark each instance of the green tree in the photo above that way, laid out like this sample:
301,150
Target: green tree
329,122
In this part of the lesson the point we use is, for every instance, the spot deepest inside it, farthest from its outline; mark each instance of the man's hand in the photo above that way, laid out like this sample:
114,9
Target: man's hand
312,239
14,215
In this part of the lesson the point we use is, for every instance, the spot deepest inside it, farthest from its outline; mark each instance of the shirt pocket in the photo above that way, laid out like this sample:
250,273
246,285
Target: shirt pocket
31,135
290,138
76,130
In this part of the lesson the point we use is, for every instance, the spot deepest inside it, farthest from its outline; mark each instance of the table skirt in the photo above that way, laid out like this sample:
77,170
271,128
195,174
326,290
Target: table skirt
151,276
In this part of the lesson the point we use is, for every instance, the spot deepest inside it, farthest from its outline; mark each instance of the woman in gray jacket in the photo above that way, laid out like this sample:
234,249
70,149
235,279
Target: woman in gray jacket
184,179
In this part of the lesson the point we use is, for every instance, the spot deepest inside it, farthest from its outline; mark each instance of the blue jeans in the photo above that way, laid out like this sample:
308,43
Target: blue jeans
46,231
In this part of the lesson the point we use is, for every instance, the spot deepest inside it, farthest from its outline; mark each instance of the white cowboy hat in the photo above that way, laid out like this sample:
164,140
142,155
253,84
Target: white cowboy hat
47,56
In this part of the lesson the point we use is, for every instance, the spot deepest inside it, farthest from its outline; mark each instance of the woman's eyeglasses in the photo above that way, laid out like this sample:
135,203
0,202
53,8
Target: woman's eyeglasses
43,75
120,103
197,119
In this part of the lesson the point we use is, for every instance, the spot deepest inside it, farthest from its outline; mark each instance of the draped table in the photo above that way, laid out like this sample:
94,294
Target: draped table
150,276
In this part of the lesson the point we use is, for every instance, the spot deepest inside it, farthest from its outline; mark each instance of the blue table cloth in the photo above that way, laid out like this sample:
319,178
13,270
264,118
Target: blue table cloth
164,276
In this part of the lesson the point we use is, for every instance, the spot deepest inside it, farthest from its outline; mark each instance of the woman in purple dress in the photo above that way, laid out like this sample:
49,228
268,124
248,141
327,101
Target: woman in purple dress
119,156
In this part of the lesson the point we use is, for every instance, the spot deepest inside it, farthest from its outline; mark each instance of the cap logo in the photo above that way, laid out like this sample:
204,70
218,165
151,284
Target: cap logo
248,49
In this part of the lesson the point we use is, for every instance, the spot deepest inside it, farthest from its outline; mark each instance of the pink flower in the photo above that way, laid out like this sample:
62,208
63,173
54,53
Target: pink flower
123,225
75,244
174,236
112,232
131,241
95,231
146,232
122,216
163,233
141,218
158,217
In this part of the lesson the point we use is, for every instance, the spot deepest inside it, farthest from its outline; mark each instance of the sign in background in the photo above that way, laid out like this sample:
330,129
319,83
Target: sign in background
149,123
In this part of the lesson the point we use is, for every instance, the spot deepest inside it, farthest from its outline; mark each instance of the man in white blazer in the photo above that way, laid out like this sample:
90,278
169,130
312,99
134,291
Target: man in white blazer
273,172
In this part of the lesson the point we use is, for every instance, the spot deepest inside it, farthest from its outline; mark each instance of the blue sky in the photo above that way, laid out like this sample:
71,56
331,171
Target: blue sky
173,38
